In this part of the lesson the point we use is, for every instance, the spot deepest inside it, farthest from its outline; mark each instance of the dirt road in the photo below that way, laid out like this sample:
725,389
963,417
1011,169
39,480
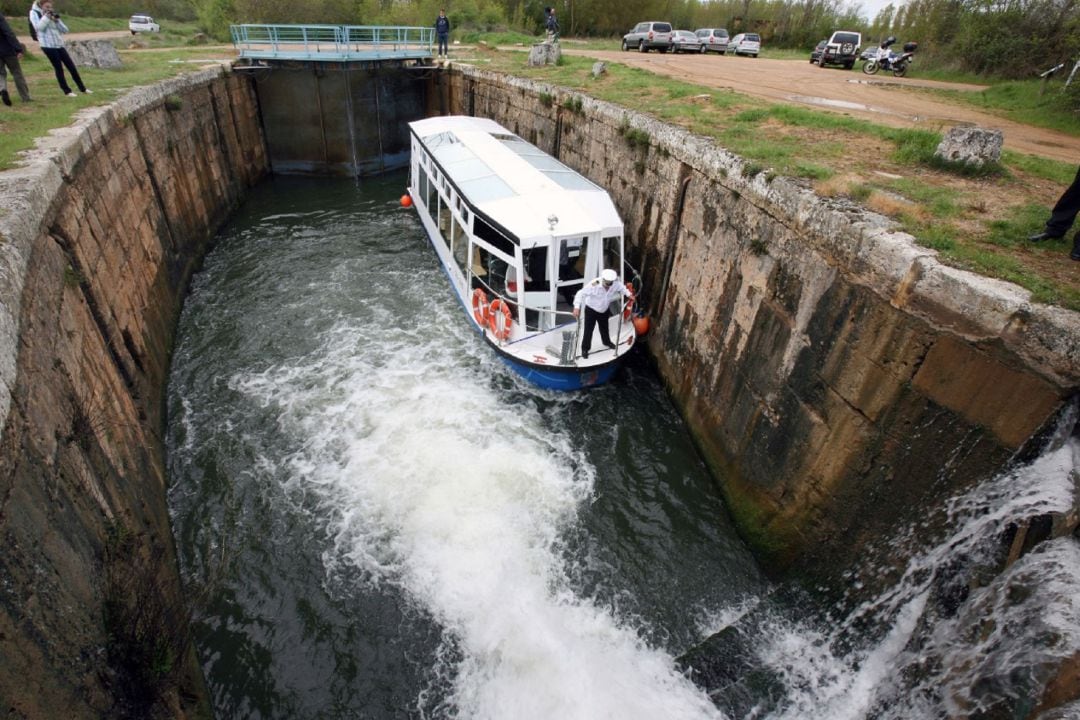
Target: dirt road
886,100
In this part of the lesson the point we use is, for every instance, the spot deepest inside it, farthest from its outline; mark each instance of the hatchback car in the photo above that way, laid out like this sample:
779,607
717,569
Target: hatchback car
745,44
713,39
142,23
648,36
685,41
815,54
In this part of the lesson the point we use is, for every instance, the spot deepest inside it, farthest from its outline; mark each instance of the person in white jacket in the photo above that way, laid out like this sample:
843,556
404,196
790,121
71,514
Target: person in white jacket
50,30
597,296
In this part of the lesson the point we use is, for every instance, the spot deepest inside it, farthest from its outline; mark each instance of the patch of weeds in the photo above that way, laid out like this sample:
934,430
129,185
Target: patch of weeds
759,247
574,104
174,103
939,201
770,176
938,237
751,116
146,622
635,137
639,167
560,61
751,169
546,99
1054,170
913,147
860,191
812,171
72,277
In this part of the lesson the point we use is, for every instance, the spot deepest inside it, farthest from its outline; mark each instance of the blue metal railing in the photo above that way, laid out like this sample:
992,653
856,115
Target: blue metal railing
332,42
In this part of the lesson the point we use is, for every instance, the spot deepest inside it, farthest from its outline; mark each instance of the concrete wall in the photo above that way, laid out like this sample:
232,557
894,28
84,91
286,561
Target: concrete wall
100,230
329,118
834,373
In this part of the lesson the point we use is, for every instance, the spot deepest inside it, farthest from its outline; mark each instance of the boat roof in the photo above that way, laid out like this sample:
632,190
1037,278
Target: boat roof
513,182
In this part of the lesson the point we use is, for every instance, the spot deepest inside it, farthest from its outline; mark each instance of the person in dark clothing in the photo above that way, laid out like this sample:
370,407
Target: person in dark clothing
442,30
11,51
552,27
1062,217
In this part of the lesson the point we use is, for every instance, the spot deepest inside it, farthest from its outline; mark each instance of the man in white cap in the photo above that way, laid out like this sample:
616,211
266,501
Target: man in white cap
597,296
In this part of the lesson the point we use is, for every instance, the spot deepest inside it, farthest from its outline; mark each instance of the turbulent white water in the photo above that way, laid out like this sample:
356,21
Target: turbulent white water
1002,644
428,478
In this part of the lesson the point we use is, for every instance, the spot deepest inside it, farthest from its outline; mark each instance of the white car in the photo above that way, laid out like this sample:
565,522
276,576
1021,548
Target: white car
745,44
713,40
685,41
142,23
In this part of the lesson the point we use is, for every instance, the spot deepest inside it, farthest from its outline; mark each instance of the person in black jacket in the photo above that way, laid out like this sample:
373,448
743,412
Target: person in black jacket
442,29
11,50
552,25
1062,217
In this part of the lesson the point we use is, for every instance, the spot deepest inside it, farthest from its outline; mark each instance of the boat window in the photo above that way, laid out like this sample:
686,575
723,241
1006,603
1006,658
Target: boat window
433,205
571,266
485,231
570,180
423,186
492,271
460,247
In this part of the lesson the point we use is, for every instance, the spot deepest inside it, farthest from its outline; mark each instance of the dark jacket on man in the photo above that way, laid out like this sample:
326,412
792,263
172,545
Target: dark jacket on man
442,25
9,44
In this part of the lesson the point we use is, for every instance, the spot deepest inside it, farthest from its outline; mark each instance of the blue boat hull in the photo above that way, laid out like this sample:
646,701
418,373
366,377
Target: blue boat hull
562,378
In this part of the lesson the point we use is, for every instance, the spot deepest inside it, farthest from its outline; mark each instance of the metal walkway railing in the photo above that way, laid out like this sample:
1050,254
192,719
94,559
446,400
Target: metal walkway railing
332,42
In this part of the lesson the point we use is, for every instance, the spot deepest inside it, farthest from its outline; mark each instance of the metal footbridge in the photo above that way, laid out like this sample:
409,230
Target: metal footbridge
332,43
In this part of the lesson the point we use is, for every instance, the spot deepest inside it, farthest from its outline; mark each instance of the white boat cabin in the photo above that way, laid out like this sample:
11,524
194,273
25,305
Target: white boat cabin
514,222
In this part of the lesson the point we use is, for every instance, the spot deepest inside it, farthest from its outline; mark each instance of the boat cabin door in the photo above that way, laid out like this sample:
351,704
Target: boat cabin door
570,267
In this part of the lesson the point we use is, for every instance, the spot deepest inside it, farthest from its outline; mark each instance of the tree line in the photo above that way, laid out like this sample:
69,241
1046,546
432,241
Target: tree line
1005,38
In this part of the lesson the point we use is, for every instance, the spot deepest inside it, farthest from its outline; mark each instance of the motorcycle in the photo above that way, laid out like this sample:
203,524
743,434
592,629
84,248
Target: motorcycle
887,60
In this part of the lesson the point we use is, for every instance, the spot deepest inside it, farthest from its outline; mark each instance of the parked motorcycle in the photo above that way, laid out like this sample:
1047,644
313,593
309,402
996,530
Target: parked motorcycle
887,60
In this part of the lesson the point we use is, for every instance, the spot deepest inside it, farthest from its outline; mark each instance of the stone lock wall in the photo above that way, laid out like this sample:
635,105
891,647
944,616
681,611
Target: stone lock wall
101,227
835,374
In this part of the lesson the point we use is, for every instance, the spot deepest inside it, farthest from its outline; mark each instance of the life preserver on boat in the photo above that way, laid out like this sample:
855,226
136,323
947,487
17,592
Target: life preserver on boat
480,308
628,308
499,319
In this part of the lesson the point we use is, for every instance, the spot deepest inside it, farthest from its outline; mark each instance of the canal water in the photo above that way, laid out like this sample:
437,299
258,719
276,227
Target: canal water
378,520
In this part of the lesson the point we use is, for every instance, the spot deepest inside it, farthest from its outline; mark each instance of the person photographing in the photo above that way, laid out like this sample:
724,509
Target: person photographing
597,296
50,31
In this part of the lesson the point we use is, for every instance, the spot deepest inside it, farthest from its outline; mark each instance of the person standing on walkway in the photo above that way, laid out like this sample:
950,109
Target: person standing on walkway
1062,217
442,30
11,50
50,29
552,27
597,297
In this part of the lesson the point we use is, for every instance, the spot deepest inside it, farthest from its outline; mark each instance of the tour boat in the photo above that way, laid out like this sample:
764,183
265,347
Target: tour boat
518,234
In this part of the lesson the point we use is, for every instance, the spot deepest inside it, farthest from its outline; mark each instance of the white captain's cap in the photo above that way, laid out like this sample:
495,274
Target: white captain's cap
609,276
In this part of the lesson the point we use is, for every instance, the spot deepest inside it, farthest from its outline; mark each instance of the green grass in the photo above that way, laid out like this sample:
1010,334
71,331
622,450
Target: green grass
1021,101
21,124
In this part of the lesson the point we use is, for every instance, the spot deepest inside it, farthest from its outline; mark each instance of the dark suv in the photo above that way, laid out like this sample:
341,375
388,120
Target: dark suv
648,36
841,49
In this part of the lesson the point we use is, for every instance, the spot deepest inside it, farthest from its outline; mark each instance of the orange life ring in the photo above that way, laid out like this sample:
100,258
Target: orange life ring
480,309
628,308
499,319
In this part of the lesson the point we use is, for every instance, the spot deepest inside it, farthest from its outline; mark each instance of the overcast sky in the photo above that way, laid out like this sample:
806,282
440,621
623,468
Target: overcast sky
870,8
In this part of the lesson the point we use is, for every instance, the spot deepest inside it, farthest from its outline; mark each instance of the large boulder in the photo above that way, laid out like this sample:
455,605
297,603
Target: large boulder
94,53
970,145
544,54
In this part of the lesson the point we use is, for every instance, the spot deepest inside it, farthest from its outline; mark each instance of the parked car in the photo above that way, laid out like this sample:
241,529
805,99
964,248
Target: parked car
685,41
869,53
713,40
648,36
842,49
142,23
745,44
815,54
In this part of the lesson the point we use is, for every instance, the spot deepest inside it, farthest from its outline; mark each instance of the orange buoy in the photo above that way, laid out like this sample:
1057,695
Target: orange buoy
406,201
499,319
480,306
641,325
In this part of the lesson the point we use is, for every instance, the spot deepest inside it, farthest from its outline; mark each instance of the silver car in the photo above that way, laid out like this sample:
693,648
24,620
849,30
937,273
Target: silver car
713,40
648,36
685,41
